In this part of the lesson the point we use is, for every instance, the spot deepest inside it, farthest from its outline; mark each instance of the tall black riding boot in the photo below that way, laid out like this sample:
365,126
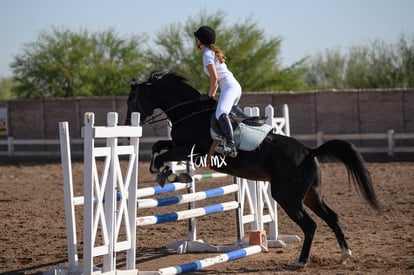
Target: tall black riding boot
228,147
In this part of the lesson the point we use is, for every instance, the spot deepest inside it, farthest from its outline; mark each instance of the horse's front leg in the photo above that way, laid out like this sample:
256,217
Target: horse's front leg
157,149
164,172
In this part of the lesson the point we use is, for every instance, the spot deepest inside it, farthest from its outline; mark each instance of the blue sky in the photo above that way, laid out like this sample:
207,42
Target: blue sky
306,26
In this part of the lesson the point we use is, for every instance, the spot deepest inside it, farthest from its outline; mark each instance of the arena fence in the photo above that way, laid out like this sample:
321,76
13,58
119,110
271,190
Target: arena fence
391,140
389,144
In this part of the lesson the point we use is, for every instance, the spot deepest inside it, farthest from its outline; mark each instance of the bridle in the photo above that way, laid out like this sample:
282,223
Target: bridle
135,101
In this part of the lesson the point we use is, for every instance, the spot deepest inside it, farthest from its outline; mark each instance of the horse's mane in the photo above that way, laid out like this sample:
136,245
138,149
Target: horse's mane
157,76
176,78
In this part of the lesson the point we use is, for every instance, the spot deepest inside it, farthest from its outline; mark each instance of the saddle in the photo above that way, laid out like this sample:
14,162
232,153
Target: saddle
249,131
238,116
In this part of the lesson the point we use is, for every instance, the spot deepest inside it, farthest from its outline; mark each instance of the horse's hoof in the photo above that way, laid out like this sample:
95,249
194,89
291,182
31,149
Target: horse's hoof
185,178
346,253
172,177
161,180
296,266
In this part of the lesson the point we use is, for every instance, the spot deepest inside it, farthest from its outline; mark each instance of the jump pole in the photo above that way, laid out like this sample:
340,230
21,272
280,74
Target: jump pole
187,214
186,198
225,257
157,190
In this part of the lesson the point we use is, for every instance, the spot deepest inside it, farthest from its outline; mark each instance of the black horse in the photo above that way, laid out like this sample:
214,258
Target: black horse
291,168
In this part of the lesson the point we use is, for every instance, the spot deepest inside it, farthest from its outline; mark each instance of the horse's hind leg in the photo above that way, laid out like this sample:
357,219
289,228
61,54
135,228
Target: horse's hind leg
314,201
289,194
295,210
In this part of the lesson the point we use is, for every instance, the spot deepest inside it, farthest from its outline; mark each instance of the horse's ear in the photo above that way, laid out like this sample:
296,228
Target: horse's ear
156,75
132,82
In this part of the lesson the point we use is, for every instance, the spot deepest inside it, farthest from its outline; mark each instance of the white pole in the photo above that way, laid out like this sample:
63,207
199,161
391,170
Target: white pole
69,196
287,119
110,195
133,186
88,183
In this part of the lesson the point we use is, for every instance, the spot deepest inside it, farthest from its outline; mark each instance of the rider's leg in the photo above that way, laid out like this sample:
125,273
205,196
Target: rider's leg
229,96
229,148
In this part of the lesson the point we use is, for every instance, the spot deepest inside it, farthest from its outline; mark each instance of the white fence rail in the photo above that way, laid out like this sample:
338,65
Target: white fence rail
390,137
10,147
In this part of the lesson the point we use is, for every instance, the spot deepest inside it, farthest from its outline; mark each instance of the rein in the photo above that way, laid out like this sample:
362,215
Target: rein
153,120
193,114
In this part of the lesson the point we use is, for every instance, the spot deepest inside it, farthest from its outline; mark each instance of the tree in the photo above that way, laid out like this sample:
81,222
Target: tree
6,86
62,63
326,71
371,67
252,58
377,65
405,61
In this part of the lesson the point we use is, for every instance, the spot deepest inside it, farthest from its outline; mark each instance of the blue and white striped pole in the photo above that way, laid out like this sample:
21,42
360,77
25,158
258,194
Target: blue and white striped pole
186,198
187,214
226,257
157,190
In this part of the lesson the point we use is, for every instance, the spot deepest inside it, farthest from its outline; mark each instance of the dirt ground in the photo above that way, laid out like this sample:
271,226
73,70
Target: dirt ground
33,233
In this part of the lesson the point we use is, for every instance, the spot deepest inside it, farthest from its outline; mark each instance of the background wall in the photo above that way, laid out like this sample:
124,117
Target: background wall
333,112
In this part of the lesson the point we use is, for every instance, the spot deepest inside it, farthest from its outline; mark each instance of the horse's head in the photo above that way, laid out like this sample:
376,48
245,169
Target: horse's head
134,102
160,90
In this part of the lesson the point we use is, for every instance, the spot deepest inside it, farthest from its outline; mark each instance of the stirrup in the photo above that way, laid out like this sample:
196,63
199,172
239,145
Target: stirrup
233,150
227,150
220,149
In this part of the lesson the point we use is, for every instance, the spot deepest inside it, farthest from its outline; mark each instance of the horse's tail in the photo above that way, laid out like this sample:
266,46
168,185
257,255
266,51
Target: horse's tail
355,164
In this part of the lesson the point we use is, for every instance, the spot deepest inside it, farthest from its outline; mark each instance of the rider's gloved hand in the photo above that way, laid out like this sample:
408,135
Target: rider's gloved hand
205,97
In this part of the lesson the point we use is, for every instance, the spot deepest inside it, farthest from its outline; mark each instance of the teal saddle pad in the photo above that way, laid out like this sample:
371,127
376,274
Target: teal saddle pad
246,137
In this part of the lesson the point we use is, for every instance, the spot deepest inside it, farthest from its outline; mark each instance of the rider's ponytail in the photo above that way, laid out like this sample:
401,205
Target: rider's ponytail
219,54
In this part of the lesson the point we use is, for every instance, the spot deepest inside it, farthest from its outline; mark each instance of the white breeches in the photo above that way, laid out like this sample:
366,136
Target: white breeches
230,92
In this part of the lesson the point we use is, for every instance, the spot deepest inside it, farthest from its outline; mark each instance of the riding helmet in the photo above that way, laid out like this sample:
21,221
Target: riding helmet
206,35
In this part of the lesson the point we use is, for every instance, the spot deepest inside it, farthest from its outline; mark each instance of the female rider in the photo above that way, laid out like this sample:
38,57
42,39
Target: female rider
220,76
